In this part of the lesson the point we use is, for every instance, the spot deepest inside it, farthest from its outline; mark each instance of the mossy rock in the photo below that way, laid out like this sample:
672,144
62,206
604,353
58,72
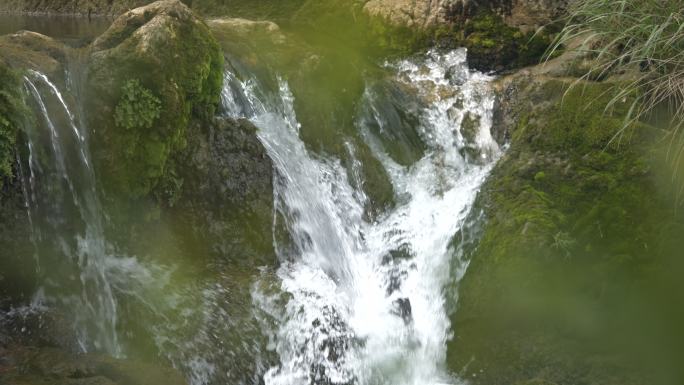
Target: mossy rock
576,248
17,267
31,50
19,52
11,104
227,193
174,61
493,45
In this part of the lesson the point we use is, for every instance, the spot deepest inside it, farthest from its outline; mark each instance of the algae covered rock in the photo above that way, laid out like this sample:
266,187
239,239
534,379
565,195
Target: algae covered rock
69,7
578,246
528,15
227,194
11,106
31,50
17,268
153,71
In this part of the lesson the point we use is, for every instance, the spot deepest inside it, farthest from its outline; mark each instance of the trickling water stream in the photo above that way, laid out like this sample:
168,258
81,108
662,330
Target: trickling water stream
80,270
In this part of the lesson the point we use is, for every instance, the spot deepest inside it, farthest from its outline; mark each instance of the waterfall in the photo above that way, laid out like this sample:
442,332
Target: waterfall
67,223
365,299
356,299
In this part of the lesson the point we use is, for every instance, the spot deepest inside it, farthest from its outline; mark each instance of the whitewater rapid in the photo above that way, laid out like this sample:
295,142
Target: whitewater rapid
367,298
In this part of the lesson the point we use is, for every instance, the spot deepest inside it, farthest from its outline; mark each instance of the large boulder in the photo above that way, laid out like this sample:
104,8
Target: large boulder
579,252
31,50
153,71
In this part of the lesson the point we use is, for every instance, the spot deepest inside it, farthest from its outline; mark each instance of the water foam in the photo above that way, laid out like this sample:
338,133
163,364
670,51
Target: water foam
366,299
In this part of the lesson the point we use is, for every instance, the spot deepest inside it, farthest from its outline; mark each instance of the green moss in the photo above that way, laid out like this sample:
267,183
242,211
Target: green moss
11,108
156,93
575,225
494,45
567,152
138,108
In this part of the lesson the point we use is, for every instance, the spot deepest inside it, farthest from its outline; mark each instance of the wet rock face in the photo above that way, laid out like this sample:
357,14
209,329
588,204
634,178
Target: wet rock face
17,263
392,116
227,189
562,201
38,346
402,308
29,366
17,266
175,60
333,337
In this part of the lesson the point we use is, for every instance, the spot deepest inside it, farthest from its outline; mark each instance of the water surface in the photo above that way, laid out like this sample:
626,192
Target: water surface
68,28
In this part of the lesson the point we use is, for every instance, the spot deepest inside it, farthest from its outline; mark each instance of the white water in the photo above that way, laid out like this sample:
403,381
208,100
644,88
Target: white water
355,313
110,298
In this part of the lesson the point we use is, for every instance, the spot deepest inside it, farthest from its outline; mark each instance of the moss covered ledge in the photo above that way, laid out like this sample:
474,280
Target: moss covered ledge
578,251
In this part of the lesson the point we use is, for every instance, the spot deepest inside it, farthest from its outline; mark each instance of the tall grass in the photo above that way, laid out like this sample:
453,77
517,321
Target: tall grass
646,39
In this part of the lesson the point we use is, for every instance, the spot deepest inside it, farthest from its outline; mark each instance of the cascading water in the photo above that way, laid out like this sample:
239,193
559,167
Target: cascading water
358,299
365,298
106,295
67,222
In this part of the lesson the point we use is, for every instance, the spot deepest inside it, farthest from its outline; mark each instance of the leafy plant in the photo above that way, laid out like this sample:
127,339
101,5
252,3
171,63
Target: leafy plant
138,106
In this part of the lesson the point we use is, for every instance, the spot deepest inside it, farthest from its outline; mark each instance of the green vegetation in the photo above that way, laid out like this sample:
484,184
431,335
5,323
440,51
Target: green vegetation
491,43
137,108
11,105
575,276
644,39
181,74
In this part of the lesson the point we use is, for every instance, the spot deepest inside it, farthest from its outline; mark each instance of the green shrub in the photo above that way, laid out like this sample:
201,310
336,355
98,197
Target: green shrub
137,108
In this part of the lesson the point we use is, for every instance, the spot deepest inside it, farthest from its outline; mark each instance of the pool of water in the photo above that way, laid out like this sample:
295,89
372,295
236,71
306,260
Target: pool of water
68,28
